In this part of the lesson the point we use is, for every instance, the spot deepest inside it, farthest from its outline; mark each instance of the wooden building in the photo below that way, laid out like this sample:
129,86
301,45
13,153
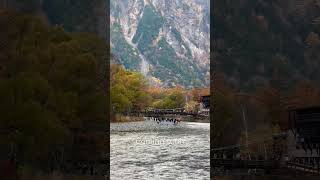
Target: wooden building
204,105
304,131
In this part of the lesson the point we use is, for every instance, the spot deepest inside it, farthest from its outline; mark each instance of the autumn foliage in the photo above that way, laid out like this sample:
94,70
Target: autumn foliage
132,92
53,102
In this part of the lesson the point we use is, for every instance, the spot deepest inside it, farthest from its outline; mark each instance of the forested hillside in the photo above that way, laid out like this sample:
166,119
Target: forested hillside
53,96
131,92
72,15
266,59
78,15
258,43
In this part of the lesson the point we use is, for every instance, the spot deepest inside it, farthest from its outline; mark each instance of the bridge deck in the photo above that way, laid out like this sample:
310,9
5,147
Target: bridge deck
162,114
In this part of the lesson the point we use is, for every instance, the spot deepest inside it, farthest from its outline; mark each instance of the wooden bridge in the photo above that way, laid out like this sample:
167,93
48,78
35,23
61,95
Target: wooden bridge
166,112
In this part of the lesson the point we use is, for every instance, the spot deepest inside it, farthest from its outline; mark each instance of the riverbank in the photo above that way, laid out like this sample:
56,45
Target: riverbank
198,120
121,118
58,176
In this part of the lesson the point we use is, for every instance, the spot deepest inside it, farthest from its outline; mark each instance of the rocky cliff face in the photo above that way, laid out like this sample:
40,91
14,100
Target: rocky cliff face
166,40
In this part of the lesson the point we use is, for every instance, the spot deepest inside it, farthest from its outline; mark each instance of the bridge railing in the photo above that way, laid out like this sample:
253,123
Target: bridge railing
246,164
308,164
175,110
161,112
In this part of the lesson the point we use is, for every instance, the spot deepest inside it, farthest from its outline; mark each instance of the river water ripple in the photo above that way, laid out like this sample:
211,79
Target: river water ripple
146,150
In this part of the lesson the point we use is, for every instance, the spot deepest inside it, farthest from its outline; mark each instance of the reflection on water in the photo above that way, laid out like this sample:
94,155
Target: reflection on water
146,150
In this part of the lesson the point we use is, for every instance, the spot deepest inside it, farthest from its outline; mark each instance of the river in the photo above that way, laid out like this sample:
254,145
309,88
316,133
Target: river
146,150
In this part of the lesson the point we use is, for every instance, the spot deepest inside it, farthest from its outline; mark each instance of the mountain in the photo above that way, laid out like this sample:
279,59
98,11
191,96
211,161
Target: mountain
259,43
167,40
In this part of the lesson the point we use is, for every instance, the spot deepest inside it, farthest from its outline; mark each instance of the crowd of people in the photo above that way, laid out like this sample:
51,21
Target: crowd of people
159,120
